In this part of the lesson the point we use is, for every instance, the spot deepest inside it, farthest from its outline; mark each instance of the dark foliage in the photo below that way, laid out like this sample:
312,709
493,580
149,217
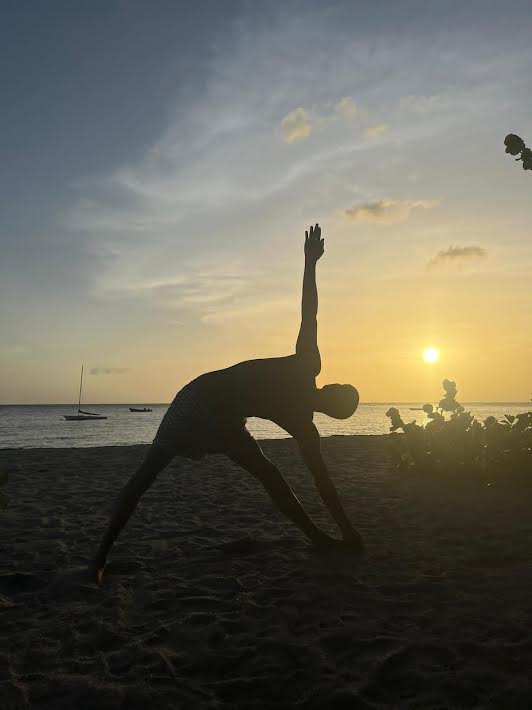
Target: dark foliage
516,146
454,442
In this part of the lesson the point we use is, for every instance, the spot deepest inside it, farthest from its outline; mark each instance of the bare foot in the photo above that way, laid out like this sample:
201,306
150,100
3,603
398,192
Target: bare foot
354,541
326,542
353,544
96,569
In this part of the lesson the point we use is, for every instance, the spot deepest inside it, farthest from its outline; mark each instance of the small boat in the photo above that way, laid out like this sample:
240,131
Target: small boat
82,416
145,409
415,409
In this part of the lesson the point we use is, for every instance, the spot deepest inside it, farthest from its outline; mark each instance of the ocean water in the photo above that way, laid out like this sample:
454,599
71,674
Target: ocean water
35,426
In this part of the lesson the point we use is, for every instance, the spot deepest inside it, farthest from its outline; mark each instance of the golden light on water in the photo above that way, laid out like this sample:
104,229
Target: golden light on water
431,355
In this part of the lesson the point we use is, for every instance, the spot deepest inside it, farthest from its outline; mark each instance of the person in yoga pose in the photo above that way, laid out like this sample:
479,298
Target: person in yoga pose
209,416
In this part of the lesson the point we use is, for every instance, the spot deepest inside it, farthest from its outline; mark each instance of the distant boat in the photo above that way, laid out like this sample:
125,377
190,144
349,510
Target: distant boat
145,409
81,415
415,409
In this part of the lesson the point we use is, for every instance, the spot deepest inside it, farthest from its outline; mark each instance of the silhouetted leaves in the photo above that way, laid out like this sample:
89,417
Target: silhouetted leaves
460,443
516,146
395,418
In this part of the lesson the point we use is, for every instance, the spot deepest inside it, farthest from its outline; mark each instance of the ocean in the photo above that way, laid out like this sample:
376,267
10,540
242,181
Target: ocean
36,426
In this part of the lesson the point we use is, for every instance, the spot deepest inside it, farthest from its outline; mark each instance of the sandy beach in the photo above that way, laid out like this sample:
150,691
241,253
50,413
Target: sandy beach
212,600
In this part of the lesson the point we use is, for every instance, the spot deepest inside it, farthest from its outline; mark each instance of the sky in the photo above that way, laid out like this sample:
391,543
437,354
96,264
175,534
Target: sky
160,162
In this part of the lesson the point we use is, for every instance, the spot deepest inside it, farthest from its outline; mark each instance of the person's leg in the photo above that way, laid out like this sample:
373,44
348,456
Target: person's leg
156,459
251,458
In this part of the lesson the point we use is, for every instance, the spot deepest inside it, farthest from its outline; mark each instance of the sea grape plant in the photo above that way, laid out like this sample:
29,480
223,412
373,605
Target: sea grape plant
453,441
516,146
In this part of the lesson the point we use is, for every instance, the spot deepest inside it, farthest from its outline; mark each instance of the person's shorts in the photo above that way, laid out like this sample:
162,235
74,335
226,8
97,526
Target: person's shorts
190,429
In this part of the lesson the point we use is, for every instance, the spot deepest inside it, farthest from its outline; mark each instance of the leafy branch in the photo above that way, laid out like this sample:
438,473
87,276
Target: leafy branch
453,441
516,146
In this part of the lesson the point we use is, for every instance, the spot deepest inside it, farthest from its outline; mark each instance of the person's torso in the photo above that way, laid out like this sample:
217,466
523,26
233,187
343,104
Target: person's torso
279,389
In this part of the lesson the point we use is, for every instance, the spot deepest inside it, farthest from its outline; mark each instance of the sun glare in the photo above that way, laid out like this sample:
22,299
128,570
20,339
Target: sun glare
431,355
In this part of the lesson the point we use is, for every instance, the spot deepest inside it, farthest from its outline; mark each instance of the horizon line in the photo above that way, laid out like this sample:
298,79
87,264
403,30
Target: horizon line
166,404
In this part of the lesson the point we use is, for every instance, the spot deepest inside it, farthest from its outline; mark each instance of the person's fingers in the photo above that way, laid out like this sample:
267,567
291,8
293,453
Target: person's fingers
313,234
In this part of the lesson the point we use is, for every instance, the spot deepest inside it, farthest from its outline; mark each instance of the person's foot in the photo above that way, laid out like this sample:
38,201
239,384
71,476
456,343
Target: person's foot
96,569
326,542
352,544
354,541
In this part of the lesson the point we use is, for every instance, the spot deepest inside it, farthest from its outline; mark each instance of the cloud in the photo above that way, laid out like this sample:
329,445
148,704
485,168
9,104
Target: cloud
380,129
244,311
225,160
420,104
387,211
200,285
207,290
300,123
296,126
14,350
457,255
346,108
109,370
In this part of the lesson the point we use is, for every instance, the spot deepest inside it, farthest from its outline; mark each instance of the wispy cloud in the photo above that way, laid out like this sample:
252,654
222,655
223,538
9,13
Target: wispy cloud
246,312
13,349
109,370
347,108
250,151
457,255
296,126
301,122
387,212
420,104
210,291
372,132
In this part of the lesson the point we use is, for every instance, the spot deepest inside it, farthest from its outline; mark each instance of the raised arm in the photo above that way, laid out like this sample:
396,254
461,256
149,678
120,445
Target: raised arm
309,445
307,340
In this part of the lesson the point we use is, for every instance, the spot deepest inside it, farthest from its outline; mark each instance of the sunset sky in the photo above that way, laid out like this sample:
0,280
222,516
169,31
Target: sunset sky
160,162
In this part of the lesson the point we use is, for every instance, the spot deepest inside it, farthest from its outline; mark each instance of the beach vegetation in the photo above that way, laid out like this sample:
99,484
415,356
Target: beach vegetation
454,442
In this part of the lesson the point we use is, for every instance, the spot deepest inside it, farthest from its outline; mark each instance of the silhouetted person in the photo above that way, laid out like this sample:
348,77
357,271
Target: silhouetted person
209,416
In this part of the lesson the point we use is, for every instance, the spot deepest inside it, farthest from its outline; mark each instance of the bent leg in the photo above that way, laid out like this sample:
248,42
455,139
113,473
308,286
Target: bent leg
139,483
251,458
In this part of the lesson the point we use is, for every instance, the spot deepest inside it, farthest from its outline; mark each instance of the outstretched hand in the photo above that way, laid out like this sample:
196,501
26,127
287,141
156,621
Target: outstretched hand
314,244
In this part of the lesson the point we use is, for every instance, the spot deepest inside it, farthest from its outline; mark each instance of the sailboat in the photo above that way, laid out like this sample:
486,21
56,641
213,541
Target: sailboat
81,415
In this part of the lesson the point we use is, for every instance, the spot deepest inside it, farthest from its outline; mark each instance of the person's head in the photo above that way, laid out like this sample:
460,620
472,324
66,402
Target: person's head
338,401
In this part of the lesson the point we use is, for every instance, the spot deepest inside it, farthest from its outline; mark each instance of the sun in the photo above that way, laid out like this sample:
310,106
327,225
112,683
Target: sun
431,355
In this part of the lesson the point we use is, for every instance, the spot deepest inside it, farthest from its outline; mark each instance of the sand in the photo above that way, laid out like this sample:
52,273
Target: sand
212,600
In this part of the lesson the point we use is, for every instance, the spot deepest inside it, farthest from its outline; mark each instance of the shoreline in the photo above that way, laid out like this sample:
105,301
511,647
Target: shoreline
133,446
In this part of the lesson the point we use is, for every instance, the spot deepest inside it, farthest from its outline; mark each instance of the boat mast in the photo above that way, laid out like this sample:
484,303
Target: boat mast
80,386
